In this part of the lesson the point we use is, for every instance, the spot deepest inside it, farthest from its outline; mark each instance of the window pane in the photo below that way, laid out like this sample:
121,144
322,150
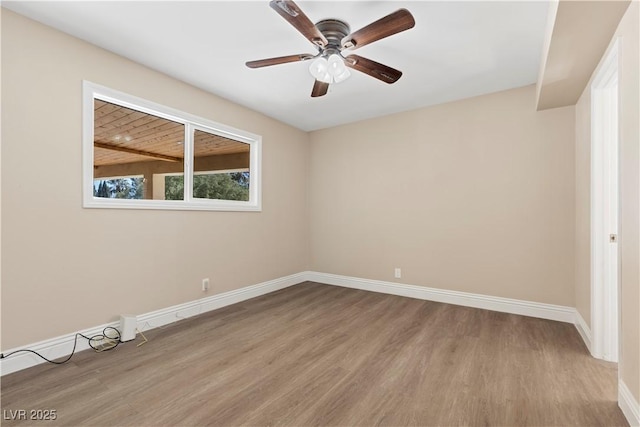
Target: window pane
221,167
133,152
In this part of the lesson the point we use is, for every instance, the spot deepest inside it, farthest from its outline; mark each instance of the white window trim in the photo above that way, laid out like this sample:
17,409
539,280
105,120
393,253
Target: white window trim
190,122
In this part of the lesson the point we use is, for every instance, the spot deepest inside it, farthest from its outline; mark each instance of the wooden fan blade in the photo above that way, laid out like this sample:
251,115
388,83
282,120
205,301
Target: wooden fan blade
373,68
294,16
319,89
394,23
279,60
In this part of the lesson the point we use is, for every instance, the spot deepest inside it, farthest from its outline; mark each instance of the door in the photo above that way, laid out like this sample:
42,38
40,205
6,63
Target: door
605,268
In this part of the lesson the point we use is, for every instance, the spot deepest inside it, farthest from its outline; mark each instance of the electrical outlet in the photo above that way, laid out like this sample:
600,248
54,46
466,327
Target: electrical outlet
398,273
205,284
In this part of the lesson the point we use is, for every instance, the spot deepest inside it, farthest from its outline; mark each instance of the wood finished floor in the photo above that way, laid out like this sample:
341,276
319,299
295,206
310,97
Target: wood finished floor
315,354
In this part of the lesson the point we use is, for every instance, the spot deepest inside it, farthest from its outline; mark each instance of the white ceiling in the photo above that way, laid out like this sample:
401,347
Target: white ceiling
456,50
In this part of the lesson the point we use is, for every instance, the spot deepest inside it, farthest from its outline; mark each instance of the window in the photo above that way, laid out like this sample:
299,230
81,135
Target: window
141,155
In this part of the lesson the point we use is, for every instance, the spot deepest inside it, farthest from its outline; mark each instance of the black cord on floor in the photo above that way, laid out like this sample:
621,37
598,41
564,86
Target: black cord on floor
96,342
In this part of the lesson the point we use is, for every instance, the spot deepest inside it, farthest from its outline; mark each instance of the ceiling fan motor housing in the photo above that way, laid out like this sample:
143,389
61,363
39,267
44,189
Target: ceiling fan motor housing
334,31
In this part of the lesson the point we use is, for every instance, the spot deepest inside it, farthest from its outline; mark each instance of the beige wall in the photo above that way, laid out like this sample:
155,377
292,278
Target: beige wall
629,243
475,195
66,268
583,207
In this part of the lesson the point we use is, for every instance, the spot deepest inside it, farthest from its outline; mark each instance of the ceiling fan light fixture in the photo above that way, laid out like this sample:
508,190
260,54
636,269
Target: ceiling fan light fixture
319,69
336,65
326,78
332,70
342,76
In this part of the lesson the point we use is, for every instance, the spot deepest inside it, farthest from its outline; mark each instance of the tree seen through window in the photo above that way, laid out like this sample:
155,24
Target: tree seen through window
221,186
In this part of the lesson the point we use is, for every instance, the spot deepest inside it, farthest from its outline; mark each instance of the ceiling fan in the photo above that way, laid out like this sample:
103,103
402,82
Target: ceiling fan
331,37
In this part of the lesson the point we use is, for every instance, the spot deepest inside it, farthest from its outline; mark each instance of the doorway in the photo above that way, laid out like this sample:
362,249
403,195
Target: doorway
605,268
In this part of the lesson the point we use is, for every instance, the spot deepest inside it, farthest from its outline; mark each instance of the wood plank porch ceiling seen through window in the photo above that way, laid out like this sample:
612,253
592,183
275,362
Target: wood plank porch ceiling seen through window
123,135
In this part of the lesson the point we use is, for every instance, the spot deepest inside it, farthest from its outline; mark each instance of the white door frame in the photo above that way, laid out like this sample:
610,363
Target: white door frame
605,268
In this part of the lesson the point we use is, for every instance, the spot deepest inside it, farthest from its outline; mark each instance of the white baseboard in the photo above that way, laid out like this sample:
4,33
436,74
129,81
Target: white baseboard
61,346
629,405
505,305
583,330
52,349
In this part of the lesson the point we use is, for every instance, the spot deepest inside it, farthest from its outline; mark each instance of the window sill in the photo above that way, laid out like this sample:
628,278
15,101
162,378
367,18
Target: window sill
205,205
